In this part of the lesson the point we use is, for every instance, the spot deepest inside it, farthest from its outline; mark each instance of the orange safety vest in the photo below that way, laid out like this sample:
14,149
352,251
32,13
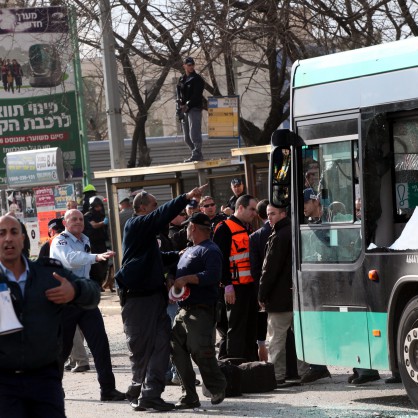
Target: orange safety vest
239,257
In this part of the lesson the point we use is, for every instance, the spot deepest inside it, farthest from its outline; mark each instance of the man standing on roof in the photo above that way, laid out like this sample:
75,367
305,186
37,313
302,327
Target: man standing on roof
190,101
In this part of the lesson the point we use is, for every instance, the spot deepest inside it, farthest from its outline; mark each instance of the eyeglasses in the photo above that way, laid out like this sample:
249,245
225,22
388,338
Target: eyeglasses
209,205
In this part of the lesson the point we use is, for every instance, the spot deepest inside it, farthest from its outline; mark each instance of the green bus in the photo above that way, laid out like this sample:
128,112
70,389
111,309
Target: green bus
352,190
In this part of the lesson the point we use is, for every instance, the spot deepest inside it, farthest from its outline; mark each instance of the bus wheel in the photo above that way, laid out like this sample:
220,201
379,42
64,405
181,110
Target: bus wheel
408,349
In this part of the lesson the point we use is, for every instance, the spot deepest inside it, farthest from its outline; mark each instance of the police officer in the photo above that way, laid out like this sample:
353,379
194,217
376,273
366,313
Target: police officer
200,269
30,364
190,96
237,188
72,248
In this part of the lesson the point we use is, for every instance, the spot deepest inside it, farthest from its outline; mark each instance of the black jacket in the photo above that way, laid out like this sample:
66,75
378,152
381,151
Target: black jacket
191,90
258,242
40,342
142,263
276,277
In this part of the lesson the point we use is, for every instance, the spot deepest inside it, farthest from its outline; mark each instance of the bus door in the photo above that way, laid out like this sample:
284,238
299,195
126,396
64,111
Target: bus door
331,310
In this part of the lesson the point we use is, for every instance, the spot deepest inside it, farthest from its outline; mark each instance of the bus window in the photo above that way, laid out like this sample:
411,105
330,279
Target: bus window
405,144
328,203
328,171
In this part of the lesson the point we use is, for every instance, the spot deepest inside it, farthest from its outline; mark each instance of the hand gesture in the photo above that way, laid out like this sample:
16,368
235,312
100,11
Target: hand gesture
105,256
63,293
227,210
196,192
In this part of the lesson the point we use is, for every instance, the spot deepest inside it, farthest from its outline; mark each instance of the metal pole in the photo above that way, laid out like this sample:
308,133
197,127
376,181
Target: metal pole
113,108
80,100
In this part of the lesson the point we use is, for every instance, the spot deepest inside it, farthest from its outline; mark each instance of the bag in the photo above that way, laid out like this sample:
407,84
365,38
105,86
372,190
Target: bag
232,375
257,377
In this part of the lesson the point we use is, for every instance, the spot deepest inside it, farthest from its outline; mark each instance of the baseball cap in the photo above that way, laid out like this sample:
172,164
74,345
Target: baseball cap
309,194
236,182
56,224
199,218
193,204
188,60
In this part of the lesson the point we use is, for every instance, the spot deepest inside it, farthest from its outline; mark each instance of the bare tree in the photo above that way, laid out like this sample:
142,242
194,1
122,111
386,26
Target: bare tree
254,42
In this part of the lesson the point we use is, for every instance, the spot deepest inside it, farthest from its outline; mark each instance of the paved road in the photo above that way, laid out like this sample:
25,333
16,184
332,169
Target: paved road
326,398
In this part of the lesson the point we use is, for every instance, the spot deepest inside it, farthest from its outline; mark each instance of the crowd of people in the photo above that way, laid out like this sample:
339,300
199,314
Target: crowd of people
237,279
11,75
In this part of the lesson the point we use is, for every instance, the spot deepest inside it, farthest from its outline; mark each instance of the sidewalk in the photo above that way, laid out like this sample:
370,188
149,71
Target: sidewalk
325,398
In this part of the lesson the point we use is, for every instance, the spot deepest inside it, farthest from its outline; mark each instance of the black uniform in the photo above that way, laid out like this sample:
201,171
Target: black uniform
30,360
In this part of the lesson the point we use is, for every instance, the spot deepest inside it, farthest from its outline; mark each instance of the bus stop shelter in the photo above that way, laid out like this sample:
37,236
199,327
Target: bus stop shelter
251,162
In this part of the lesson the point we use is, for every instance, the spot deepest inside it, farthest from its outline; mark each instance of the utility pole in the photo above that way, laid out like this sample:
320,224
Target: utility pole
114,119
113,107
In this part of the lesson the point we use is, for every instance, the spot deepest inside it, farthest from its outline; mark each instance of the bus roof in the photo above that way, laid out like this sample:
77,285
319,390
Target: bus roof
361,62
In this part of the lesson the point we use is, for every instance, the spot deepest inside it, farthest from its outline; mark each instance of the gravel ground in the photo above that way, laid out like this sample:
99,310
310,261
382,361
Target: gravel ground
333,398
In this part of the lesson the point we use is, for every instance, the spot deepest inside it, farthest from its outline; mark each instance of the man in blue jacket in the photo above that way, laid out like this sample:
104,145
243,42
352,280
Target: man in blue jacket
200,268
144,297
30,359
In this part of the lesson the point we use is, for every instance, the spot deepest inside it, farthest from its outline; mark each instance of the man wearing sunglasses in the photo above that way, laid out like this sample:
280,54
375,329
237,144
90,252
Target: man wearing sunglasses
208,207
190,99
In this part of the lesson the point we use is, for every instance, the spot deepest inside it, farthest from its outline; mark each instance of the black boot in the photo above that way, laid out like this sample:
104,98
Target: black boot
133,392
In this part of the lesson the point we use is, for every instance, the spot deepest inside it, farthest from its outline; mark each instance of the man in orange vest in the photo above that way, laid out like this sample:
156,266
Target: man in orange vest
239,335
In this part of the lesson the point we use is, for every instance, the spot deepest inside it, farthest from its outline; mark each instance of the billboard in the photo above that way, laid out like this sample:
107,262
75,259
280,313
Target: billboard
38,106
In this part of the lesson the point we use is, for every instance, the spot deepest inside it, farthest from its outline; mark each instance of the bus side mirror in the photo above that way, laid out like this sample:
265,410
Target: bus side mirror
285,138
280,166
280,160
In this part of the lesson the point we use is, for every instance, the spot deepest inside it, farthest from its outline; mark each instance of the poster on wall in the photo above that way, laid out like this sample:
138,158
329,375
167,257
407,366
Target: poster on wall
32,229
43,219
44,198
38,107
63,194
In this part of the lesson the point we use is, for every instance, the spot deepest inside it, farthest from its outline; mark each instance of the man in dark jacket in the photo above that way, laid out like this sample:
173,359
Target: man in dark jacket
275,292
193,334
190,99
237,187
95,228
30,369
258,241
208,207
144,297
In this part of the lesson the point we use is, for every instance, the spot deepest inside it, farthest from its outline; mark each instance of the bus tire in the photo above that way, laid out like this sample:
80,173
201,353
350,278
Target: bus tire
407,349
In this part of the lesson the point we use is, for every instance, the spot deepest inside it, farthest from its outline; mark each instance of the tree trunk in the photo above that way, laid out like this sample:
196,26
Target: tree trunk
139,144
